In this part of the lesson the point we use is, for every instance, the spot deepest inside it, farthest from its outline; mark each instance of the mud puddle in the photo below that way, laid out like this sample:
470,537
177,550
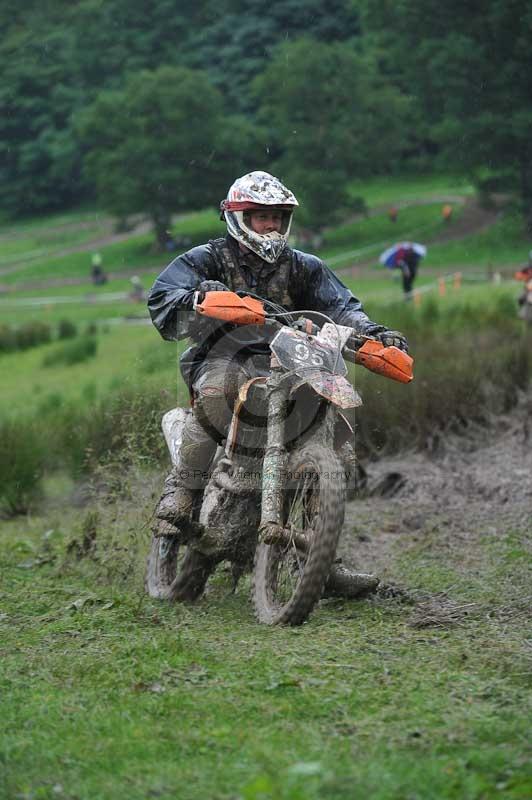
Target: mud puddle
477,484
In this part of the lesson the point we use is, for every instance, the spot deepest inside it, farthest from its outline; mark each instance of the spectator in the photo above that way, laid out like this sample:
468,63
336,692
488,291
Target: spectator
447,213
98,276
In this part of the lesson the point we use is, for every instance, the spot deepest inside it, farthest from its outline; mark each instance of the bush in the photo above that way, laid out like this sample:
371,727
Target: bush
8,340
72,352
21,466
92,329
457,380
66,329
32,334
28,335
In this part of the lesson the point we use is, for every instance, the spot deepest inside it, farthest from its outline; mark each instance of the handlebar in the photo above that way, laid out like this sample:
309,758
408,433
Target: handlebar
240,308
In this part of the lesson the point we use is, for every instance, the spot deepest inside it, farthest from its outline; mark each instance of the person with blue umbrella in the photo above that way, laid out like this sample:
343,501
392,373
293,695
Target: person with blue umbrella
406,257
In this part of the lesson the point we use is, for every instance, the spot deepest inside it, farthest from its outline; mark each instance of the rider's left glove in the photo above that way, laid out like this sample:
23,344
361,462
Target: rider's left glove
393,339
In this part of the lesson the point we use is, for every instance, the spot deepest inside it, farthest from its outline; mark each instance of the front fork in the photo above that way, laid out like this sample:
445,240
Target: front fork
275,457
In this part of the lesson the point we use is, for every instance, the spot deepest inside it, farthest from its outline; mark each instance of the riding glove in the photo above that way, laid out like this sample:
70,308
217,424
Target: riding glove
212,286
393,339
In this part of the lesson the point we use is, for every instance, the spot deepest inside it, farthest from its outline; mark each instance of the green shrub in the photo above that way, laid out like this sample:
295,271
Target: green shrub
430,311
121,428
8,340
32,334
50,402
155,358
21,466
72,352
457,380
66,329
92,329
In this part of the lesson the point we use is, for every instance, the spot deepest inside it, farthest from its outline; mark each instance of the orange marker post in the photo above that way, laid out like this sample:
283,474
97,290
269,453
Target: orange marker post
441,287
457,281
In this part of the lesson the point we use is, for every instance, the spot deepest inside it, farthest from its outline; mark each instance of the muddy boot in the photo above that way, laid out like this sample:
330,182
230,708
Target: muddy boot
177,501
162,528
176,506
345,582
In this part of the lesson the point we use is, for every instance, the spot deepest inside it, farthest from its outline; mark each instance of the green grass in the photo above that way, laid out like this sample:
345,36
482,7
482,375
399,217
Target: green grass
137,252
108,694
44,240
134,253
125,360
395,189
376,232
62,218
503,244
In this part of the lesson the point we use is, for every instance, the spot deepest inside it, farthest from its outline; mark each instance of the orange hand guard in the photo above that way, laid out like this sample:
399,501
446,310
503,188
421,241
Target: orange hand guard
388,361
229,307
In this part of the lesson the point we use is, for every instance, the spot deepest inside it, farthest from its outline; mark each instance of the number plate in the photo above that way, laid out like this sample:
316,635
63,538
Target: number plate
297,351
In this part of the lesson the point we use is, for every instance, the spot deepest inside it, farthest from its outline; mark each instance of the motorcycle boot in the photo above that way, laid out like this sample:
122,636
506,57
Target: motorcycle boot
177,501
346,583
203,430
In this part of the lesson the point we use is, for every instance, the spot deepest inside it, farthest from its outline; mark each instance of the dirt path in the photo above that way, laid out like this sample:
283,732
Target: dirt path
473,219
475,485
19,264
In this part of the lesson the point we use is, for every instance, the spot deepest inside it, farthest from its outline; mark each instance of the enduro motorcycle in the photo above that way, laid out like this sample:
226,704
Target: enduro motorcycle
275,495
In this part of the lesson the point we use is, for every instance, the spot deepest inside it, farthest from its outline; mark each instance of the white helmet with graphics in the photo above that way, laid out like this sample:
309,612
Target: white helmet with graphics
252,192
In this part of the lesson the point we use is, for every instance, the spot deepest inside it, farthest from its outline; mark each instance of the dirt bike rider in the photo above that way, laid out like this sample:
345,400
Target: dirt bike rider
255,257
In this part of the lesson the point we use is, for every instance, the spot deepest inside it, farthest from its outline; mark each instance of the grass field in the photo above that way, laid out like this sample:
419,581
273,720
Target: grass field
107,694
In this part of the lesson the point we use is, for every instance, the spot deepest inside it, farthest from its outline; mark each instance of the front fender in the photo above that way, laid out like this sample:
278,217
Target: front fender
334,388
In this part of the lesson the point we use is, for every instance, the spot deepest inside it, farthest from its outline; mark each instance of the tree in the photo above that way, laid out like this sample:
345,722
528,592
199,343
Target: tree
153,147
332,117
468,66
237,43
40,161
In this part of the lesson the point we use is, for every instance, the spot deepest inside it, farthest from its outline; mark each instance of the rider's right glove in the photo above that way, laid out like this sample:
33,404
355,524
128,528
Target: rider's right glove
393,339
211,286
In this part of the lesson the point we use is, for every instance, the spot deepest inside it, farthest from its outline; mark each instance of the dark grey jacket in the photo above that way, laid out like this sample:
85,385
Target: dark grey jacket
297,281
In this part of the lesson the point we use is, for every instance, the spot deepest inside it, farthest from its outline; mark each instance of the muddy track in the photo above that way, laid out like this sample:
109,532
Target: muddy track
472,486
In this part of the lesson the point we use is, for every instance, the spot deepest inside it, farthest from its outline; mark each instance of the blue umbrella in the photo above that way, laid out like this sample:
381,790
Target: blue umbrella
389,257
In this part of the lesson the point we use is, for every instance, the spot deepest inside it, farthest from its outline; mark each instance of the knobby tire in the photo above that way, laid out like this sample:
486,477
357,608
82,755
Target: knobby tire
281,600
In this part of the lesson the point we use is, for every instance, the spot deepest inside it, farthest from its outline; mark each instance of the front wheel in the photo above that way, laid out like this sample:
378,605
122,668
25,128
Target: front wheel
288,580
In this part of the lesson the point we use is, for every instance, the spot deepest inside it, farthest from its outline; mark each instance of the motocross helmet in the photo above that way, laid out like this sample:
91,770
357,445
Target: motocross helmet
252,192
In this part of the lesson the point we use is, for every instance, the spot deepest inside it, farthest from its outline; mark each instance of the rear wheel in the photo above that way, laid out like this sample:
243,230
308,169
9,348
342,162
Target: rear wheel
289,577
176,572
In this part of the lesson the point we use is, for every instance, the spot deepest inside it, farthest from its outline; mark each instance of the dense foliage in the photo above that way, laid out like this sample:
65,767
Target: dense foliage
324,94
468,68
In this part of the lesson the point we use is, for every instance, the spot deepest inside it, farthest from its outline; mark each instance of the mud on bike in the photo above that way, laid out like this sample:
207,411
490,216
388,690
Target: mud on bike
276,491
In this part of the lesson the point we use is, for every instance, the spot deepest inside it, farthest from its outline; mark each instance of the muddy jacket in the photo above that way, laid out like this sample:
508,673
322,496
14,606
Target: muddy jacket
297,281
